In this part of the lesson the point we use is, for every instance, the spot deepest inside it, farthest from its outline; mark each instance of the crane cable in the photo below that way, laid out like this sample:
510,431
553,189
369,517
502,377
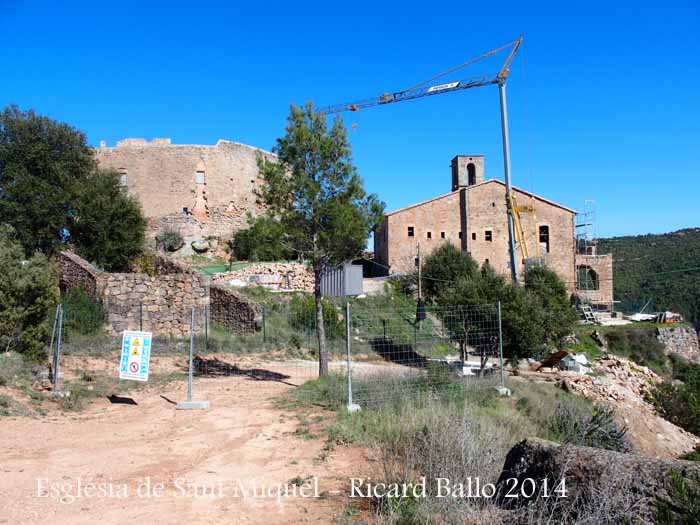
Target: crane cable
467,63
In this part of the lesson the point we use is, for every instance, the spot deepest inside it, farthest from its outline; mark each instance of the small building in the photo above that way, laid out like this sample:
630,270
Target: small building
473,216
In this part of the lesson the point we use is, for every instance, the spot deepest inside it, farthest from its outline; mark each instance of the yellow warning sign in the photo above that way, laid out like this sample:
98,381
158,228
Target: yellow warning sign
136,343
135,352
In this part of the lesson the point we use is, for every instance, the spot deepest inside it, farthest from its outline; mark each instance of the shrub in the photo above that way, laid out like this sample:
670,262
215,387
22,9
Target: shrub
12,366
679,403
302,316
29,294
82,313
261,241
170,239
641,346
109,227
535,315
145,263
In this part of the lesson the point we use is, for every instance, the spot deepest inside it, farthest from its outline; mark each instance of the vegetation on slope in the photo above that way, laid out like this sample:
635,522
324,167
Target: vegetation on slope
663,268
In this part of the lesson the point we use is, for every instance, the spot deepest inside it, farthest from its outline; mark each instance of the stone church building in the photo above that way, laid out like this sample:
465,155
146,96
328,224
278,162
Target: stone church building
473,216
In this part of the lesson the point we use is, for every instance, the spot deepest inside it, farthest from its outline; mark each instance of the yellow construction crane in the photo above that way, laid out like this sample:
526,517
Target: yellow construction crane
516,232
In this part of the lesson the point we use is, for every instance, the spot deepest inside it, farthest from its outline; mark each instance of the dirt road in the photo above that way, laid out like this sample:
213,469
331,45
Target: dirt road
97,466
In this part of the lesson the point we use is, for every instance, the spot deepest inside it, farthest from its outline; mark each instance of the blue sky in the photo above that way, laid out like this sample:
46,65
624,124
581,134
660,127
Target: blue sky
604,100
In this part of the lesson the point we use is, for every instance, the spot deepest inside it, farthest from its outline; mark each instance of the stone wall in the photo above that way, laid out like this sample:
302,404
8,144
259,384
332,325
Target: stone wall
161,304
602,265
217,184
76,272
234,311
682,340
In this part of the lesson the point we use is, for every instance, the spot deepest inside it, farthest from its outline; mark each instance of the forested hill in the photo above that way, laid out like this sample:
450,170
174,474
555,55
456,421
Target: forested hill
664,268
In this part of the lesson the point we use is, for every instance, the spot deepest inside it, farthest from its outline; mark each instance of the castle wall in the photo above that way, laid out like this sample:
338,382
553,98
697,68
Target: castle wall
216,184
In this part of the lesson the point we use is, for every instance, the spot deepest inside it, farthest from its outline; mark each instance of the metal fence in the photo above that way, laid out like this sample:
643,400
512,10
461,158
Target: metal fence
375,349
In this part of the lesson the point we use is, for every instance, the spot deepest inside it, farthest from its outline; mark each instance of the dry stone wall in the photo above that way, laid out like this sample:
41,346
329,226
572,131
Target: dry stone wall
75,272
161,303
682,340
234,311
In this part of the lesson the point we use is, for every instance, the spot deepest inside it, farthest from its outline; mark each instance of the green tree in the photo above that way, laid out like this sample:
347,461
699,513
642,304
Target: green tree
43,163
533,316
109,228
444,266
263,240
558,314
315,192
28,295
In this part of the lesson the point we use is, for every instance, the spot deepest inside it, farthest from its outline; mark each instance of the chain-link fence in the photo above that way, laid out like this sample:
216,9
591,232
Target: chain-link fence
369,344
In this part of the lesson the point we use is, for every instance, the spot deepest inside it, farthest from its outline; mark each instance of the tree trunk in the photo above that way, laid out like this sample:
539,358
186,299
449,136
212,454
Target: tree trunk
320,328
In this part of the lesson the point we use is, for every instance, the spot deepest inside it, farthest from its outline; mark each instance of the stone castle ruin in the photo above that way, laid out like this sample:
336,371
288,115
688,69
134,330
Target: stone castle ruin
199,190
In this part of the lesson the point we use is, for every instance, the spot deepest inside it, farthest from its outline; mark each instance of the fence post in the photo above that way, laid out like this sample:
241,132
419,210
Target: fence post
352,407
206,327
264,326
189,404
57,351
502,389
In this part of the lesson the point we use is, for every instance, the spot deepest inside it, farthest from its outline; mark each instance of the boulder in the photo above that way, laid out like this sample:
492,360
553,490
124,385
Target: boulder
636,481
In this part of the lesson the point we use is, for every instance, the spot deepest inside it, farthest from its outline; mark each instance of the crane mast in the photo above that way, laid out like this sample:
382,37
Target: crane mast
430,88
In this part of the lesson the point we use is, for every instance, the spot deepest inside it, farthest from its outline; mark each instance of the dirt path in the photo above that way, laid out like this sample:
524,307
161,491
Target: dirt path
241,442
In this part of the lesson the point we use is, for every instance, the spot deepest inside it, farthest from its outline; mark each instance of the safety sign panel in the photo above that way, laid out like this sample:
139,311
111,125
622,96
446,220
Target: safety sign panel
136,356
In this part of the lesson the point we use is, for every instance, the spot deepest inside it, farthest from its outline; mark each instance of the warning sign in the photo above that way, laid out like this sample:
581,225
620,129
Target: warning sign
136,356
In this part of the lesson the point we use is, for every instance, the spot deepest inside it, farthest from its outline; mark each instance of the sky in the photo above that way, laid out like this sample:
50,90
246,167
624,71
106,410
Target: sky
603,98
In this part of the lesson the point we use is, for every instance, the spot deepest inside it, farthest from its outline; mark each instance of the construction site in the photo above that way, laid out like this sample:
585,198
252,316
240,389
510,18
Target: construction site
219,332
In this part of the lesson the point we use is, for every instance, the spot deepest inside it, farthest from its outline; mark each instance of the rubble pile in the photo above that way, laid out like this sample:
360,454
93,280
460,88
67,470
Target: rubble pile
623,384
614,379
276,276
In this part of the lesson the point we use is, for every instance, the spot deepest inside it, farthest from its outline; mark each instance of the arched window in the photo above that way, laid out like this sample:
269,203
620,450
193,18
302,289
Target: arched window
471,174
544,239
587,279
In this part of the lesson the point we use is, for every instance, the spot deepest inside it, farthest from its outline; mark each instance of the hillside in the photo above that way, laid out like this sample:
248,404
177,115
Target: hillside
663,268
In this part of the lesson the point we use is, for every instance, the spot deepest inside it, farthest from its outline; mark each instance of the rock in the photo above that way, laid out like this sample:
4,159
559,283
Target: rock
591,473
599,339
200,246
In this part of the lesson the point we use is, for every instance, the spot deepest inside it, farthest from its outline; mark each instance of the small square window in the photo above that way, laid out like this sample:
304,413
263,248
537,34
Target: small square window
473,236
442,235
410,231
488,236
430,235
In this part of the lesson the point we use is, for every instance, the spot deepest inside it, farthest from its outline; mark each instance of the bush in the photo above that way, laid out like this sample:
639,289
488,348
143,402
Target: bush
534,316
567,418
82,313
109,227
679,403
170,240
262,241
641,346
28,297
302,316
145,263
